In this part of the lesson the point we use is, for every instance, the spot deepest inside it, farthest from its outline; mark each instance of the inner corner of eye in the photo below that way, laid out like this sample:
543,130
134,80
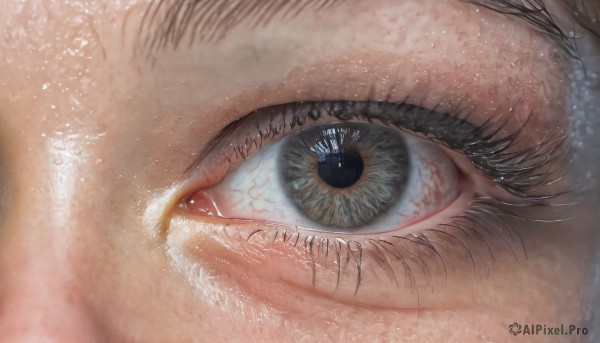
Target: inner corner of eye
199,203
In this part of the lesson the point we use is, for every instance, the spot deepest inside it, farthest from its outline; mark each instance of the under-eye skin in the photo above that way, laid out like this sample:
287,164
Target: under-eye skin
517,183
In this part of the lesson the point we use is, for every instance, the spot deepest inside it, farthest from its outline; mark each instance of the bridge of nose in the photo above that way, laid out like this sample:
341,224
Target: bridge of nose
46,236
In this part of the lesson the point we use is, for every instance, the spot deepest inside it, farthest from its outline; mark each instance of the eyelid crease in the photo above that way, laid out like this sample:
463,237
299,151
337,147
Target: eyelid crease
523,169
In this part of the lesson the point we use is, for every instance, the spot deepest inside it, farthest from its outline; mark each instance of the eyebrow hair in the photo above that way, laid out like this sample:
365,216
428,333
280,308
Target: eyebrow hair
166,23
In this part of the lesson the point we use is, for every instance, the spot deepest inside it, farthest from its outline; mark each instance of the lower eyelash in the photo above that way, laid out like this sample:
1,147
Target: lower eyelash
485,230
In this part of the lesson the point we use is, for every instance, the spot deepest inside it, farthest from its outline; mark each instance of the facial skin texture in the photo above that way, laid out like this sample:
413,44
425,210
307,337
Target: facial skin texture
97,143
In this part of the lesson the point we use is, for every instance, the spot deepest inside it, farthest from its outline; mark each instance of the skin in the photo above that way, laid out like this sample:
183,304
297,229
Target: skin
96,144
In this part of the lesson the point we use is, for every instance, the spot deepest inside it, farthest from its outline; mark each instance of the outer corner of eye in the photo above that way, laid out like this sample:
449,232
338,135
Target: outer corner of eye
348,178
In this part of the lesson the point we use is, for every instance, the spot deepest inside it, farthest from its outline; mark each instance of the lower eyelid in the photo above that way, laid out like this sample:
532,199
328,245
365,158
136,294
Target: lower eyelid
423,271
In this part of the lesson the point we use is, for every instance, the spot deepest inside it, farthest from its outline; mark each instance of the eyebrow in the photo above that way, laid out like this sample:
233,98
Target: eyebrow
167,23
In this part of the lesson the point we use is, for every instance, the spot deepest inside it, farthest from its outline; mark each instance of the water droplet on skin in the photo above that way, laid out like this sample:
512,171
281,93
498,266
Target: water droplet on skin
45,86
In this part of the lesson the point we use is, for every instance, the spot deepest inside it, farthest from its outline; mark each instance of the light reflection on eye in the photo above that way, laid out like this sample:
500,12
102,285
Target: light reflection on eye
347,177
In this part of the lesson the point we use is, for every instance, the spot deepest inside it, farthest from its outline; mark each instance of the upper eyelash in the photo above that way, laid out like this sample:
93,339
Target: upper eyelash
522,173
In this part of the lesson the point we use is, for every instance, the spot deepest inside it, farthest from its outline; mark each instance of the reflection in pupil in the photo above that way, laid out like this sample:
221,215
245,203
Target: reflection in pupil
341,170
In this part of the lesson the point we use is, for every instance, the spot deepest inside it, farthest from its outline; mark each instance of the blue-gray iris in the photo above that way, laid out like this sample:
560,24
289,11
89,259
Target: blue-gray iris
344,175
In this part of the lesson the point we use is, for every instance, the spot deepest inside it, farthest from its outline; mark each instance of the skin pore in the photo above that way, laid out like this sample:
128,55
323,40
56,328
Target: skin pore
103,135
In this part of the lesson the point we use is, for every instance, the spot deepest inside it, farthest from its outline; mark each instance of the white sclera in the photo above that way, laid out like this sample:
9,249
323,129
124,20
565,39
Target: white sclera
254,191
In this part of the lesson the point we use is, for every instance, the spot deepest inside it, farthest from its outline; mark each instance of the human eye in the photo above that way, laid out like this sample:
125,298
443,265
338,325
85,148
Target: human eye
284,208
331,175
368,202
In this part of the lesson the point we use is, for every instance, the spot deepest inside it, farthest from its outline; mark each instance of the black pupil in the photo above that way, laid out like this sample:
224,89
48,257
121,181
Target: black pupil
342,169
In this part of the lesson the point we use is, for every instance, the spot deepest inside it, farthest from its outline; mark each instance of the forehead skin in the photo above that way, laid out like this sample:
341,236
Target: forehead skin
90,134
